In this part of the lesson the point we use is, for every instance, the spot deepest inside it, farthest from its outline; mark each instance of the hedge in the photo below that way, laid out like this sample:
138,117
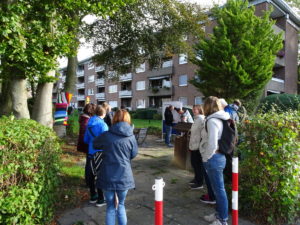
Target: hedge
270,169
281,102
29,154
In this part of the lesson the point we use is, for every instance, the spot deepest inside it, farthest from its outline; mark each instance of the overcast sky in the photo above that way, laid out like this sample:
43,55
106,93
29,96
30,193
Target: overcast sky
86,51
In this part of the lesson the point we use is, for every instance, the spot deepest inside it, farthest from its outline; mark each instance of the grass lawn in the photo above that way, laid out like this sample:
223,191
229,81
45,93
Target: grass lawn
140,123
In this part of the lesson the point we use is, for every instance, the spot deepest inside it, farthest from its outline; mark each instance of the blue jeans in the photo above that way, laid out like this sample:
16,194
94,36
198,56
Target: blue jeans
111,210
168,134
214,168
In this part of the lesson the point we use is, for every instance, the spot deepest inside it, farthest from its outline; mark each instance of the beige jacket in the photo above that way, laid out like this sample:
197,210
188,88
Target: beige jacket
195,137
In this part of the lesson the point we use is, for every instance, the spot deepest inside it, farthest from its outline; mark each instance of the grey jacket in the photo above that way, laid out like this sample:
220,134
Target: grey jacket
195,137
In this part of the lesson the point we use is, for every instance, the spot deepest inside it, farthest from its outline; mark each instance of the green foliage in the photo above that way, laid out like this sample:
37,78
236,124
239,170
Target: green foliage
145,113
145,30
270,169
73,124
157,116
28,171
281,102
238,58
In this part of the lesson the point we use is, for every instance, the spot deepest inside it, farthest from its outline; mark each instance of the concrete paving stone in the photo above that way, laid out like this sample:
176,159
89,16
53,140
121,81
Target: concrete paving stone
73,216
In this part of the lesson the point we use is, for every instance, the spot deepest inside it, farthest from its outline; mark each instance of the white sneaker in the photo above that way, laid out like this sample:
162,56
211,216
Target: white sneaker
217,222
210,218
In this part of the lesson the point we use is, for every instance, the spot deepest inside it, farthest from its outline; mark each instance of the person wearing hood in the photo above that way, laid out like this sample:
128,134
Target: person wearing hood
232,109
213,160
119,148
95,127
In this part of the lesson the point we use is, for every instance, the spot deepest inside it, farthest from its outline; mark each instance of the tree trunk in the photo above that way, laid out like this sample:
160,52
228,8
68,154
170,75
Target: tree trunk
5,98
71,74
42,109
19,98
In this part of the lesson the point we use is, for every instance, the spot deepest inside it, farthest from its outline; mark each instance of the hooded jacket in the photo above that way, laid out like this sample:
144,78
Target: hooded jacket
97,126
209,144
195,137
119,147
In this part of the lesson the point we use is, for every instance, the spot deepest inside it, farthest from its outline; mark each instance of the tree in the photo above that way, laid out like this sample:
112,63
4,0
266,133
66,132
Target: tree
237,59
145,30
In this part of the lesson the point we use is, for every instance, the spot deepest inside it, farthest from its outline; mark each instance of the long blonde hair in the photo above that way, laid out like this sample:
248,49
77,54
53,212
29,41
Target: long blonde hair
211,105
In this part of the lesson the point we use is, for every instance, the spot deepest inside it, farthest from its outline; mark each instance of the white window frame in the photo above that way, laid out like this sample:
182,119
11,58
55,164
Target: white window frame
140,85
143,103
185,84
113,88
183,58
141,68
90,65
196,101
183,102
113,104
91,78
91,91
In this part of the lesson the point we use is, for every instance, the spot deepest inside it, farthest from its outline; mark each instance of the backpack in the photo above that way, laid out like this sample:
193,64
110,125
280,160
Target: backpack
228,138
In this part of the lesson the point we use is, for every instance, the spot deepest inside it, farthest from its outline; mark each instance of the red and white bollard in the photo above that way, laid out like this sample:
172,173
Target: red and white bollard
235,189
158,188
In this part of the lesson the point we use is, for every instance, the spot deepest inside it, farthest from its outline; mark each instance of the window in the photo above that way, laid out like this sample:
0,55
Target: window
91,78
91,65
183,80
183,100
167,63
141,104
113,104
141,68
199,55
198,100
90,91
140,85
182,58
113,89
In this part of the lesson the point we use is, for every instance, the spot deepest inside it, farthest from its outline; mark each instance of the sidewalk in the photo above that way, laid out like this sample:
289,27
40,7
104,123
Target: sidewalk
181,205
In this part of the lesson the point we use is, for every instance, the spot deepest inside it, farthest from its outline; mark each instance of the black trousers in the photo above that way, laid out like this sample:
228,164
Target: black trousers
90,179
197,164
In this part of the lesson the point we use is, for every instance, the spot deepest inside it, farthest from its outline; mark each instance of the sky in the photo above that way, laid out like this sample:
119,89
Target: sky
86,50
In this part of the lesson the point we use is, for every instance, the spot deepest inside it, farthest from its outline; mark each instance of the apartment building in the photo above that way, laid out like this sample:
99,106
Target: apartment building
146,87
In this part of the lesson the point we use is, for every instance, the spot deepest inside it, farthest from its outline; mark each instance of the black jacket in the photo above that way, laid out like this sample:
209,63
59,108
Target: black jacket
168,117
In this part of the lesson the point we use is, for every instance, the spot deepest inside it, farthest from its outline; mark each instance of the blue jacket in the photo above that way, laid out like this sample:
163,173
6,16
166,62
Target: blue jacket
97,126
119,147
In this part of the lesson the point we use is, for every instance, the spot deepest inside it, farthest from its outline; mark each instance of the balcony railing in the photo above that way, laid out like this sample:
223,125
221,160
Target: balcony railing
99,68
278,30
80,86
161,71
126,77
100,95
276,84
160,91
80,97
100,81
279,61
80,73
125,94
168,63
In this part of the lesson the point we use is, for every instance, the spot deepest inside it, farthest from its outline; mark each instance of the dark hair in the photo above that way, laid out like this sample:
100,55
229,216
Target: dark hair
89,109
100,111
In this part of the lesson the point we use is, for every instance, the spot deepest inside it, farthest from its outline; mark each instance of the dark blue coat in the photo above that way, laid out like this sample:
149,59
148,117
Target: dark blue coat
119,147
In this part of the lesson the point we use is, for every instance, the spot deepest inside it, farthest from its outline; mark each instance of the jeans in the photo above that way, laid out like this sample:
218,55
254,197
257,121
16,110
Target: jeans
208,185
111,210
197,164
168,134
214,168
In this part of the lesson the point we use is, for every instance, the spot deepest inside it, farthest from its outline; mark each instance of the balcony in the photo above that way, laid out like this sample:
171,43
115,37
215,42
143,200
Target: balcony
161,71
100,96
276,85
80,73
99,68
278,30
126,77
80,86
80,97
167,64
100,82
160,91
280,61
125,94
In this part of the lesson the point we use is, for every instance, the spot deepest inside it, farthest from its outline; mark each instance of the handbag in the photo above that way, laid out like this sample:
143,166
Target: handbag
96,159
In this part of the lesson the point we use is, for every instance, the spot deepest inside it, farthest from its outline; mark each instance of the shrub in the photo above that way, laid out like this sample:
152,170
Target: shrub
157,116
270,169
282,102
154,131
29,154
145,113
73,124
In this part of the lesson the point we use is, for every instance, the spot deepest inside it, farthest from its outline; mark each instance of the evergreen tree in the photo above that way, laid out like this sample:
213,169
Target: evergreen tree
237,59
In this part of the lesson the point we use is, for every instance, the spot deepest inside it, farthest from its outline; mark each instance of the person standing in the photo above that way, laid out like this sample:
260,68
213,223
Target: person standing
232,109
168,124
108,116
194,144
213,160
95,127
119,148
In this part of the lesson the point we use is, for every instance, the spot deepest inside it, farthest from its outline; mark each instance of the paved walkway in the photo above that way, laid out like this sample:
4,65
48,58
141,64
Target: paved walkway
181,205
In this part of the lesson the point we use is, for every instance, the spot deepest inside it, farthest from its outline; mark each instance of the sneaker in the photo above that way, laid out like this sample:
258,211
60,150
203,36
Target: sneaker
170,145
192,181
218,222
94,198
196,186
207,200
210,218
100,203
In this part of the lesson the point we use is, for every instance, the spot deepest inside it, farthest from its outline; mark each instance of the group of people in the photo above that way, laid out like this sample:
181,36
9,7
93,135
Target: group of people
206,159
110,145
